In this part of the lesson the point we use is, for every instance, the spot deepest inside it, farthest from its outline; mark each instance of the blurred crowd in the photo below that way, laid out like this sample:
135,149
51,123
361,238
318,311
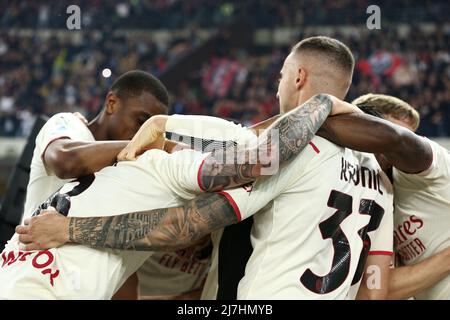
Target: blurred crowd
177,14
414,66
46,75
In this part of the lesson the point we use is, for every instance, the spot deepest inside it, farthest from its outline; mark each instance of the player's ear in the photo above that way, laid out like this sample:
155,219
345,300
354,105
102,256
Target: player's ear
300,78
111,103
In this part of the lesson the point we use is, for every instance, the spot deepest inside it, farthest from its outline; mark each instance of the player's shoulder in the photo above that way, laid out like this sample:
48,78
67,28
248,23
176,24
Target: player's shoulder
63,116
65,124
320,145
319,150
62,120
366,159
438,171
326,149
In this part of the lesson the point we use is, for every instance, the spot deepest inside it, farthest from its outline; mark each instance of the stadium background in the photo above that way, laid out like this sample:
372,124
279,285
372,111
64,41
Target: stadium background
216,57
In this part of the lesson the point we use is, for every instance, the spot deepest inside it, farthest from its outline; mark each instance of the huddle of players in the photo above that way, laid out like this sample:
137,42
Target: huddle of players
321,221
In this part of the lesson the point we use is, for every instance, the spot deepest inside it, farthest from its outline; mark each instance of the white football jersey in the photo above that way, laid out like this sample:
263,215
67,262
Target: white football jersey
166,273
422,216
314,218
174,273
211,286
42,182
155,180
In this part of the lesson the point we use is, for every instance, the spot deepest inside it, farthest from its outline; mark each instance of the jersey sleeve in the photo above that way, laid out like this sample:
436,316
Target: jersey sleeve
439,170
61,125
440,167
208,128
382,238
180,171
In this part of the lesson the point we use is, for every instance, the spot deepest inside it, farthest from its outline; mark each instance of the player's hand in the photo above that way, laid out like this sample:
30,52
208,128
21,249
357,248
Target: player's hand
150,135
342,107
47,230
81,117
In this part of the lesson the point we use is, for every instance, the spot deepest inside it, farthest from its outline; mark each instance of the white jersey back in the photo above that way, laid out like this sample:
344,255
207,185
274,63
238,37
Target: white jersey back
314,217
42,182
166,273
177,272
155,180
422,216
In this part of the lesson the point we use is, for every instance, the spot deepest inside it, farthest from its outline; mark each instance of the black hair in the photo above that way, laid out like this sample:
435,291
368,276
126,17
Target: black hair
370,110
134,83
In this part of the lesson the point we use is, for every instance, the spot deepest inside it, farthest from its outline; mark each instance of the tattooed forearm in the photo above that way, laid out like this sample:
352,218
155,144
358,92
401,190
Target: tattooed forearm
161,229
298,127
295,130
100,231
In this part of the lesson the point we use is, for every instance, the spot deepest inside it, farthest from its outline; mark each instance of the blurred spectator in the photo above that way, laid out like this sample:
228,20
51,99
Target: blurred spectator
46,74
179,14
40,76
414,67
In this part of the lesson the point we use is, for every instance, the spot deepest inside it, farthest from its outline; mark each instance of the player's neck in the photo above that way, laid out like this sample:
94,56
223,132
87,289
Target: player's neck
97,129
306,94
310,92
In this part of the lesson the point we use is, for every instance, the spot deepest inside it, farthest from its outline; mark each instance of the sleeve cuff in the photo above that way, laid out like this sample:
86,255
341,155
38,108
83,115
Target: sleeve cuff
233,204
381,253
199,178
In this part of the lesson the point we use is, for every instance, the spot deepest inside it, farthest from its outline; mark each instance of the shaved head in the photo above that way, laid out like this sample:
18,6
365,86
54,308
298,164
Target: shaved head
328,61
315,65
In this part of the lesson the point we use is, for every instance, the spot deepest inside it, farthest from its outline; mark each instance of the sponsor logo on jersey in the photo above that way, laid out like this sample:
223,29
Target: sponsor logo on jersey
407,244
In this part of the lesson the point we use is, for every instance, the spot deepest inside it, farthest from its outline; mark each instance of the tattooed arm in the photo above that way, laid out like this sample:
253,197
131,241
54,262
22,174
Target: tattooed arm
179,227
278,144
161,229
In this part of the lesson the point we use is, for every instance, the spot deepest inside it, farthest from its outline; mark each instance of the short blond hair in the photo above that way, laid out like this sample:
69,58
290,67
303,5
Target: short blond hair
390,106
336,51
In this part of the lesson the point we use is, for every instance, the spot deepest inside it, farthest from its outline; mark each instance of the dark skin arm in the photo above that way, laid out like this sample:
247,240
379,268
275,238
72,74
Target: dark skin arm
72,159
403,149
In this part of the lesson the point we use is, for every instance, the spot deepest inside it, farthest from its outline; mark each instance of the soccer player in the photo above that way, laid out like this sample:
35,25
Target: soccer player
317,218
155,180
421,176
67,148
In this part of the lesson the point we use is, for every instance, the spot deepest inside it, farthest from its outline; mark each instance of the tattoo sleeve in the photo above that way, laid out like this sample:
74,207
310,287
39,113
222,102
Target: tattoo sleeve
160,229
295,130
173,228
